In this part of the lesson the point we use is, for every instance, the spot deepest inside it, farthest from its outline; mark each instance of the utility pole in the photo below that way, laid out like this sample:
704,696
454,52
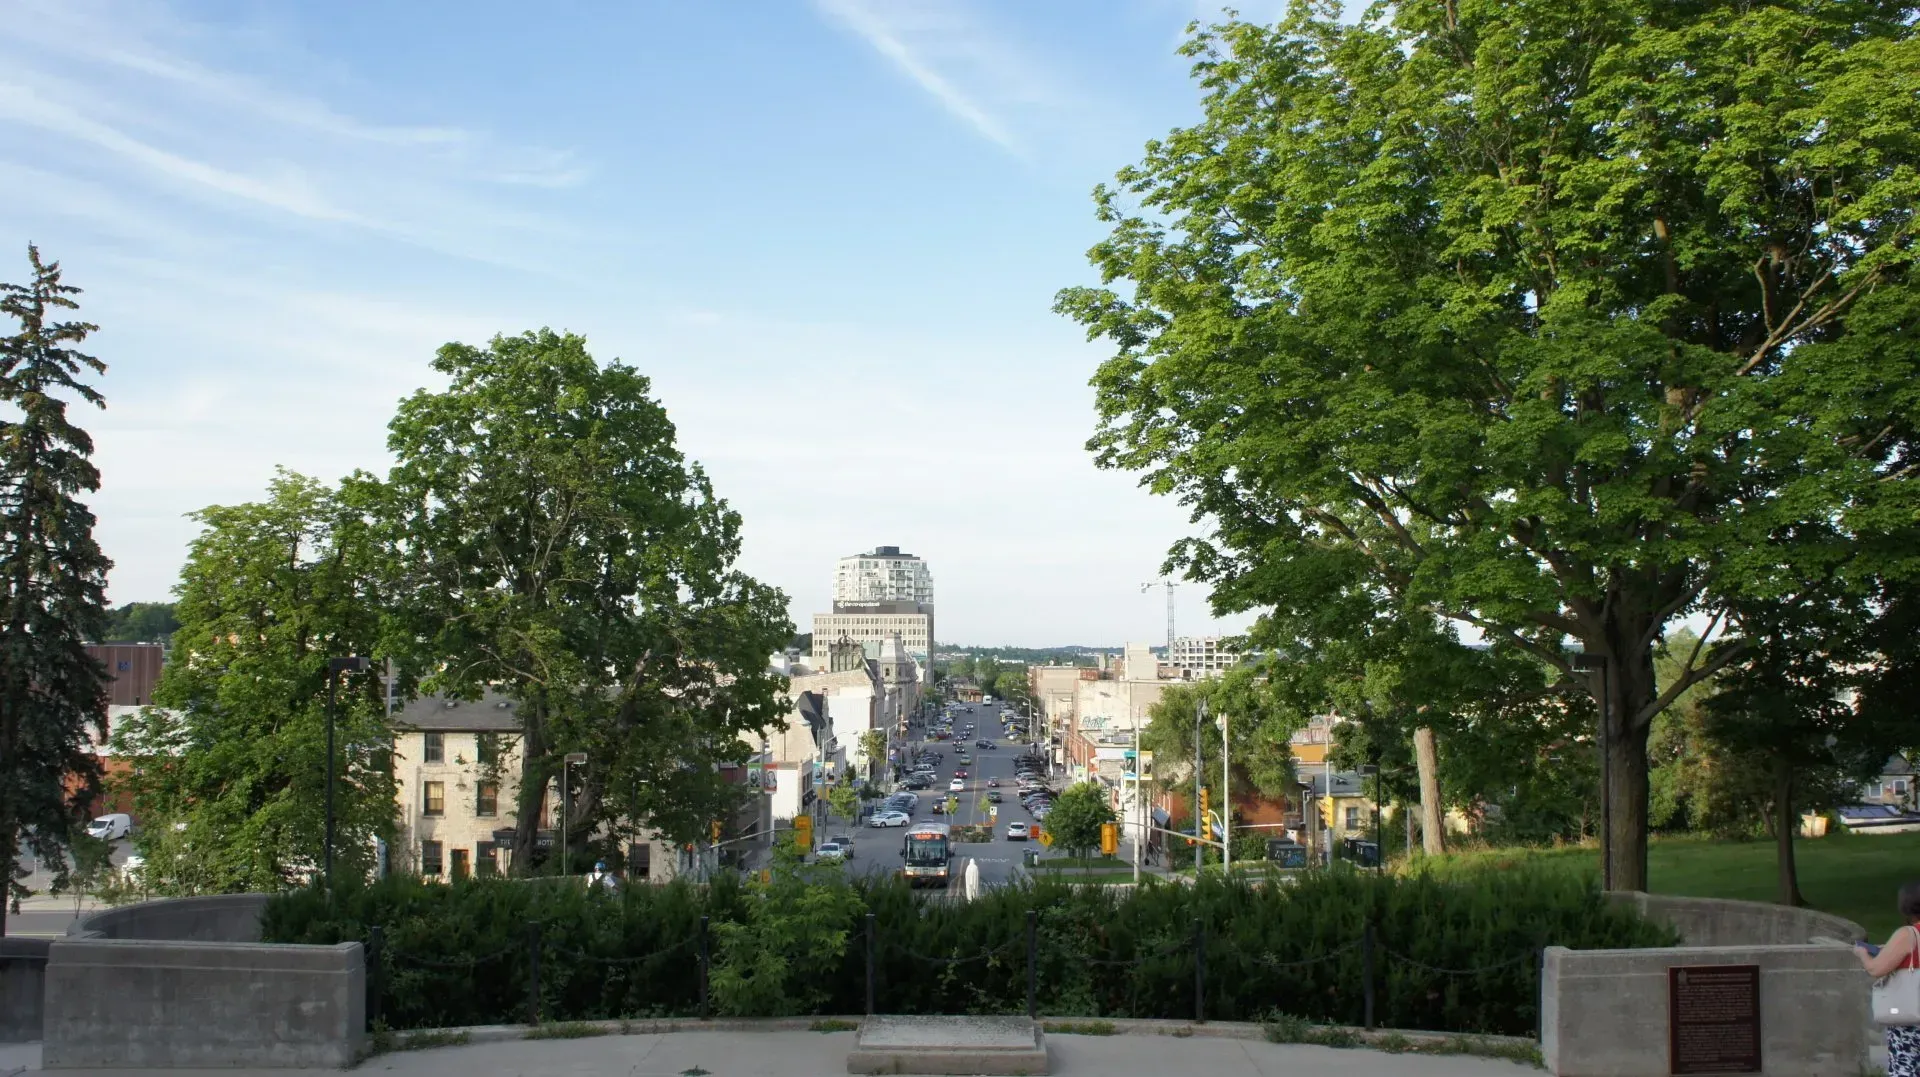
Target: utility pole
1199,823
1169,585
1226,802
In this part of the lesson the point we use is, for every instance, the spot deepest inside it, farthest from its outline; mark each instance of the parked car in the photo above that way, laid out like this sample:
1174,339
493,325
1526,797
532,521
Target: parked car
829,851
888,818
134,865
845,842
958,783
109,827
1016,832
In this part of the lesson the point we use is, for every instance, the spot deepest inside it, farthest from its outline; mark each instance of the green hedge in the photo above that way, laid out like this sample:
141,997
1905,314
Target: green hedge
458,954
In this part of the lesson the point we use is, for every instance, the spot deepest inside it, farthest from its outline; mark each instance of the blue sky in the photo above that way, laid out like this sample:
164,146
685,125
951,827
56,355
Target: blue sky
829,231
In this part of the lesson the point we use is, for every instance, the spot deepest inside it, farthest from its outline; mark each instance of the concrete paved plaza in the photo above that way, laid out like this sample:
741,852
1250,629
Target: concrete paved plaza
815,1054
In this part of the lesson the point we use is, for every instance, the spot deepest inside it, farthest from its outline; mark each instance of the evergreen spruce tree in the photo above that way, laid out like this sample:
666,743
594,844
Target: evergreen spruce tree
52,576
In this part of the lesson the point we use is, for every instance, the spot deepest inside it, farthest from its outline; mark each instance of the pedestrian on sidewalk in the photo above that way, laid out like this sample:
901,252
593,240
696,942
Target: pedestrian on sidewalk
1900,956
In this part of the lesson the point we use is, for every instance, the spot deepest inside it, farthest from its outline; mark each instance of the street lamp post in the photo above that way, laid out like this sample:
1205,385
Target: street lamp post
1597,663
335,667
1199,820
1226,802
567,763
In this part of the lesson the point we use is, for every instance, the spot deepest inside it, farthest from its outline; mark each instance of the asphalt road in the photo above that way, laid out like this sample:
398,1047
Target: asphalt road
999,860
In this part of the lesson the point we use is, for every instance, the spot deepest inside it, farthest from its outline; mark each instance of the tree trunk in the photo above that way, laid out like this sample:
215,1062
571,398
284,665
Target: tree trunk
1631,688
535,764
1433,838
1783,834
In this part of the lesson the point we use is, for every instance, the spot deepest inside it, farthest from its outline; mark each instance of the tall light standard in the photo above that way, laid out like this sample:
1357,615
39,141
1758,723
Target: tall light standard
335,667
1597,663
567,763
1199,817
1226,802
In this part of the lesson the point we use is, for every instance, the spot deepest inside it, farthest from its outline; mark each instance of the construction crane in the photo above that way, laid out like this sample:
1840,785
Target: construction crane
1169,585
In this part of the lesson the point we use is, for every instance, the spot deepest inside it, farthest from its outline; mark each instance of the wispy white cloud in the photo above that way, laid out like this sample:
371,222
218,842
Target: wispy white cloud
977,76
137,93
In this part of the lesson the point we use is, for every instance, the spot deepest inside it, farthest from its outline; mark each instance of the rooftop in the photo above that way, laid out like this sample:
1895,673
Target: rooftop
492,713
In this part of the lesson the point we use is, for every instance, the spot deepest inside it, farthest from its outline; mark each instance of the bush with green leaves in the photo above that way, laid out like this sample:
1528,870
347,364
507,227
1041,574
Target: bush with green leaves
457,954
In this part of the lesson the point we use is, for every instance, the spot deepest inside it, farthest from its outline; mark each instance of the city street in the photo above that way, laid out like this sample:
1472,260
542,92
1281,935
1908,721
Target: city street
1000,860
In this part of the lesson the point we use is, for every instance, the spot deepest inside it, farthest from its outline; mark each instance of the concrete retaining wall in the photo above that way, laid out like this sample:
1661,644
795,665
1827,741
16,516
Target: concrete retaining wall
1724,922
23,979
139,1003
214,918
1604,1012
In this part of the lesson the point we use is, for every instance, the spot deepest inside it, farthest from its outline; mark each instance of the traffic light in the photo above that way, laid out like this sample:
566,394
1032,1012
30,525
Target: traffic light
716,830
1326,811
1109,839
1205,802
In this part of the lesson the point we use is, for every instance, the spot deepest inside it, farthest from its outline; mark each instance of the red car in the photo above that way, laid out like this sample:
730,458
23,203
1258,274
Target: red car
959,773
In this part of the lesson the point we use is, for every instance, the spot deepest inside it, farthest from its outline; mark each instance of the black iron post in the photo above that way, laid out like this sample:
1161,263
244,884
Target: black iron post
1199,972
1366,973
533,973
870,965
335,667
706,961
1033,964
376,942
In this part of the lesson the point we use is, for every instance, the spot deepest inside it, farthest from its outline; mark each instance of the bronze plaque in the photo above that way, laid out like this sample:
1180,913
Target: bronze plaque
1713,1018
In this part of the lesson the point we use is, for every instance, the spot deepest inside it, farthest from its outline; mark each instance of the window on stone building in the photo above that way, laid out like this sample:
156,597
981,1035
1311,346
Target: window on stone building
435,797
486,799
436,751
429,858
1353,818
486,858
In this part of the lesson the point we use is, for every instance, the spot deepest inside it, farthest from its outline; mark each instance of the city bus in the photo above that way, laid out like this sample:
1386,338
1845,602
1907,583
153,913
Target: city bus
927,854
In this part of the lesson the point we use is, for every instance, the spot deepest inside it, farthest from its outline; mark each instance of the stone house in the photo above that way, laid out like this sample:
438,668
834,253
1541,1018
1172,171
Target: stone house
456,769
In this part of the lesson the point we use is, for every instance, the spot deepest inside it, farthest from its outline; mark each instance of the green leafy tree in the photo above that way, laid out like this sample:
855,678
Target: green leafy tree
1786,712
1258,729
552,541
229,766
1011,685
873,745
1697,784
141,622
53,695
796,924
1076,817
1559,318
844,801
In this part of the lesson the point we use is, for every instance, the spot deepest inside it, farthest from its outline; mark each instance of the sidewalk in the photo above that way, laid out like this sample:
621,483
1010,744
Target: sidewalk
816,1054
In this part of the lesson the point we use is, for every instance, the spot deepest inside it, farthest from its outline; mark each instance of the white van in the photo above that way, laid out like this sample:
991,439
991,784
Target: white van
111,827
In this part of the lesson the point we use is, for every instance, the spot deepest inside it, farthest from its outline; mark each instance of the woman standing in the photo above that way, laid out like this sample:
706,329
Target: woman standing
1902,951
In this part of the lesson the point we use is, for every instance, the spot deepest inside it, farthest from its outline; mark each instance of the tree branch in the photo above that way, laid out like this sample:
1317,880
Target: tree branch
1717,661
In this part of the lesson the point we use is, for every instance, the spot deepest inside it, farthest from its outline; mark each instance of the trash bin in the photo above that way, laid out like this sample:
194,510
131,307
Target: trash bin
1033,858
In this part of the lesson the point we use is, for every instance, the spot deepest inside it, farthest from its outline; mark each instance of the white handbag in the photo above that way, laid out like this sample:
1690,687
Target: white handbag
1896,996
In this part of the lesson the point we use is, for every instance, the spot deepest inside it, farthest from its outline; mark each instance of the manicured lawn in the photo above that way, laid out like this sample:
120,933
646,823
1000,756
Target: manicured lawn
1854,877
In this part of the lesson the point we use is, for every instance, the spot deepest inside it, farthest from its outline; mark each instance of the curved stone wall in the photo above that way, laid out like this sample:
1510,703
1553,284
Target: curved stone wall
213,918
1726,922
